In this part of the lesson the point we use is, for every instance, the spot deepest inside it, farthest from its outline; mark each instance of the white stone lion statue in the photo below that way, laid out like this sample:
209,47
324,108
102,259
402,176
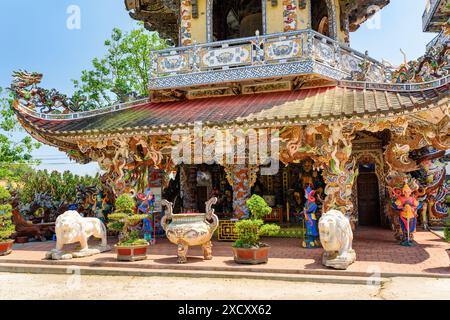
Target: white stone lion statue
336,237
71,227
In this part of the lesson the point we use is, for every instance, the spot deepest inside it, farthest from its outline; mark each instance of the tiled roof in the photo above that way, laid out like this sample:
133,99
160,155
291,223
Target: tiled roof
315,105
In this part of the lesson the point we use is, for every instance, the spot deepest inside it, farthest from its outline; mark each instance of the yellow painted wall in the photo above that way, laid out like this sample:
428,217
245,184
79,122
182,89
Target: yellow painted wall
274,20
303,18
198,26
274,17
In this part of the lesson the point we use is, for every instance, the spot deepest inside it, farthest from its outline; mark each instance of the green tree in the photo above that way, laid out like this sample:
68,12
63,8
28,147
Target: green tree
6,226
61,187
15,154
249,231
124,71
124,218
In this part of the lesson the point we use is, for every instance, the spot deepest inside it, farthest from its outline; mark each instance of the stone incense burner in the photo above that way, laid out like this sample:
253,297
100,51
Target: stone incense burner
190,229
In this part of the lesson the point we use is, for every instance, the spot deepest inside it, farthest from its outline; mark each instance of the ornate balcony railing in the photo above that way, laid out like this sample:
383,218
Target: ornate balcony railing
441,38
290,53
396,87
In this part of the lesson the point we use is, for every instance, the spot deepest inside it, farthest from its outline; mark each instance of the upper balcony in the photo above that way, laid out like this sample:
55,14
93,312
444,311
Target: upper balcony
436,15
440,39
289,54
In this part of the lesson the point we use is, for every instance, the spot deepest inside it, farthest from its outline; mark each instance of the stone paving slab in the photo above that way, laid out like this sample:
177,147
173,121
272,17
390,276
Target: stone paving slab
377,252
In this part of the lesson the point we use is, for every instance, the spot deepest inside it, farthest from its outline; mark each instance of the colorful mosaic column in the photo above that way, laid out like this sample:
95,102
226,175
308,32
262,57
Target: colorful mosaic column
431,177
289,15
186,23
241,178
187,185
339,180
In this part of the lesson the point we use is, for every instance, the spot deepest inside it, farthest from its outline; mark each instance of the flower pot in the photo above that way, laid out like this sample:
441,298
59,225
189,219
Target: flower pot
21,240
132,253
251,255
6,247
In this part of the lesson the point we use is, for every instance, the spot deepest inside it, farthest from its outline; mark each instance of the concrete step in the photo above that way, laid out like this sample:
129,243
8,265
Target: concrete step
103,271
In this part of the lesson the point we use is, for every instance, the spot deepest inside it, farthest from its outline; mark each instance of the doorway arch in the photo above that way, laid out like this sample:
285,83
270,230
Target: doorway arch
375,157
368,196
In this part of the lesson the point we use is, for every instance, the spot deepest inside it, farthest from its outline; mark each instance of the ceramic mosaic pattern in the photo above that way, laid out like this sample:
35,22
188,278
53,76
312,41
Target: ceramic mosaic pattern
186,24
283,49
173,63
324,52
226,56
290,15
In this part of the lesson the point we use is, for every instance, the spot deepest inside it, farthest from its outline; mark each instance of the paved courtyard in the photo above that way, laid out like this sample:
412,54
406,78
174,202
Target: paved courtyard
377,251
59,286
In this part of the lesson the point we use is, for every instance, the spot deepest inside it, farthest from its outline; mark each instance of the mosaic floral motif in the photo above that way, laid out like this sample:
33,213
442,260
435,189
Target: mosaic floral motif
283,49
226,56
174,63
290,15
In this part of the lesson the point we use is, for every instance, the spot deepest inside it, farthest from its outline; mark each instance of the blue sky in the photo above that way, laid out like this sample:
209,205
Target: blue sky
34,36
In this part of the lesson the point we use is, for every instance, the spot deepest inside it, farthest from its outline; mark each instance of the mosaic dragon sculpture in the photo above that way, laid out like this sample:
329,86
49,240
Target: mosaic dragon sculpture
431,177
26,91
433,65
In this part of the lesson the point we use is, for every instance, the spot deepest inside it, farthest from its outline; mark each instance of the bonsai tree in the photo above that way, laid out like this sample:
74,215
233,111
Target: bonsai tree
250,230
123,219
7,228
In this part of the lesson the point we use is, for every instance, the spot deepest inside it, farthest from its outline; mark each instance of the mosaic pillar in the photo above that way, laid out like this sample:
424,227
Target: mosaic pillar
186,23
188,187
339,182
431,177
289,15
241,178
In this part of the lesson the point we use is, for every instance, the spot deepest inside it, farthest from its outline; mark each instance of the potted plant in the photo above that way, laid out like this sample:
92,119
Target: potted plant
447,234
130,246
248,249
7,228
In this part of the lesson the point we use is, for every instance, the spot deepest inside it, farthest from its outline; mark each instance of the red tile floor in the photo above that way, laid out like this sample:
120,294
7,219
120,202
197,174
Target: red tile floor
376,250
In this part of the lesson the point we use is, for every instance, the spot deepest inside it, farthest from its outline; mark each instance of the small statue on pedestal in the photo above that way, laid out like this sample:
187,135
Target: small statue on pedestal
147,207
311,237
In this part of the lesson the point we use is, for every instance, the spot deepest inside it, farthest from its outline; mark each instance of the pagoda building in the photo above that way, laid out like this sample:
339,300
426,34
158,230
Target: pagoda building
280,72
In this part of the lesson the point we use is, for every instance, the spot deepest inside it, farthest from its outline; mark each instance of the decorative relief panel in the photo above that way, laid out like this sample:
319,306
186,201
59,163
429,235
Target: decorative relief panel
350,63
210,92
174,63
286,49
267,87
324,52
223,57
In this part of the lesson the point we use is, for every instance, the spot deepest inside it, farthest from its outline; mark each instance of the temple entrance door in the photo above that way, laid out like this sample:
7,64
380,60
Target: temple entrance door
368,199
202,197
